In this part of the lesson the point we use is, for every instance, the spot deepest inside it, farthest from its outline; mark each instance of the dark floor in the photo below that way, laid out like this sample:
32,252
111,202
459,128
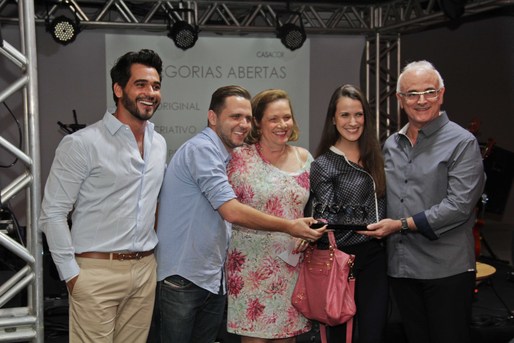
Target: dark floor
493,319
493,316
493,308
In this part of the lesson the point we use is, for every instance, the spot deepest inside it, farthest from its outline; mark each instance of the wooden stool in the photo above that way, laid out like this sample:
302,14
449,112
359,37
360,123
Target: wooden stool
484,271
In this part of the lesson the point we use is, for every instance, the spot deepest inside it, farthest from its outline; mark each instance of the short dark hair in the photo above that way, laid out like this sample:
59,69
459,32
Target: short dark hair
120,72
220,94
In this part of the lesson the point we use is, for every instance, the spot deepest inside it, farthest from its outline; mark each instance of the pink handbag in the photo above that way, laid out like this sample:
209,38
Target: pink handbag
325,288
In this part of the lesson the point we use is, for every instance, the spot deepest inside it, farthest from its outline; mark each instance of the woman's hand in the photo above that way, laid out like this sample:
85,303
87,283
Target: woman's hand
300,246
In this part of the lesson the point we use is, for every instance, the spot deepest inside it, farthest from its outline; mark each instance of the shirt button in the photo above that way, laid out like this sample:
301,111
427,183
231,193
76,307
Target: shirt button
401,200
406,181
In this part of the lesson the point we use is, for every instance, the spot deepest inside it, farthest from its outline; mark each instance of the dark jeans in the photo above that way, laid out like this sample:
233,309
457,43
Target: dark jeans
188,313
437,310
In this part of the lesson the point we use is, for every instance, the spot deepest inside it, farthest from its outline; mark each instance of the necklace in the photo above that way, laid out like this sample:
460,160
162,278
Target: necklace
278,160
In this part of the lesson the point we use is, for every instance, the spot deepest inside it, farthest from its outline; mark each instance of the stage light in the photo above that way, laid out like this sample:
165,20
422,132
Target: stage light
453,9
183,34
291,35
63,29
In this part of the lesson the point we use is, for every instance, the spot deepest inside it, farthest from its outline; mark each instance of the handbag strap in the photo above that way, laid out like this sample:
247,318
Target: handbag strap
349,331
323,333
351,283
332,239
333,246
349,323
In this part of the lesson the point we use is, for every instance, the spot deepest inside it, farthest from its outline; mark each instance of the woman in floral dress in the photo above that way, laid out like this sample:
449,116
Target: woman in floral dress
271,176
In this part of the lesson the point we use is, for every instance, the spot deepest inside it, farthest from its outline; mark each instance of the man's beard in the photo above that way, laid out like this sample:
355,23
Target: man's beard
131,107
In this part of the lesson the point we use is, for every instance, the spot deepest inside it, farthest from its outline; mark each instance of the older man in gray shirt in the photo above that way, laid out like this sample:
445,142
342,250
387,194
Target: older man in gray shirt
435,178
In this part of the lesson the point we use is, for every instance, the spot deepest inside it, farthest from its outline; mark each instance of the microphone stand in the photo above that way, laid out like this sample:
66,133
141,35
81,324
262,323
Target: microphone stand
71,128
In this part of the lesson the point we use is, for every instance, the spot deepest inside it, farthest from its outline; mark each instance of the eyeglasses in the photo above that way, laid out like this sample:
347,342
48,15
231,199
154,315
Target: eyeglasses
430,95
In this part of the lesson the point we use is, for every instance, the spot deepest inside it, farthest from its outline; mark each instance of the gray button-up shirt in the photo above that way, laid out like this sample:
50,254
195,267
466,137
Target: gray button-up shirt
438,182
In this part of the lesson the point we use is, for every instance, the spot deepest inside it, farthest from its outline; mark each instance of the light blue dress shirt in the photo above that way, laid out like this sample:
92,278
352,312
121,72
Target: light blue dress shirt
100,173
193,237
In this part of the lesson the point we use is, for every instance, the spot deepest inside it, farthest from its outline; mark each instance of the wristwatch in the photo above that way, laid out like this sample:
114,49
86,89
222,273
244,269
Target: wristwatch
405,227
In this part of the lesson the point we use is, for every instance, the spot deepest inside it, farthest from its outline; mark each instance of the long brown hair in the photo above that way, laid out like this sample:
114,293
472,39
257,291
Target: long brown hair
369,148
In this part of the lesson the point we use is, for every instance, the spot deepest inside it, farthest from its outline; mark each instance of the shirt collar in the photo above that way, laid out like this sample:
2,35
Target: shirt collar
435,124
113,124
431,127
336,150
213,136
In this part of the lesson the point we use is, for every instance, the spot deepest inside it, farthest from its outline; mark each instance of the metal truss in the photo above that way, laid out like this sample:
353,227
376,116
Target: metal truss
370,18
383,51
382,22
382,69
24,323
329,17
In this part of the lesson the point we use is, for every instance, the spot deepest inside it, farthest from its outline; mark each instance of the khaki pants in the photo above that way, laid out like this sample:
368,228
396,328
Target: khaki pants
113,300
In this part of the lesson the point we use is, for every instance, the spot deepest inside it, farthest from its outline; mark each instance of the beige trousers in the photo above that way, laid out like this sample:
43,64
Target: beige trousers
112,300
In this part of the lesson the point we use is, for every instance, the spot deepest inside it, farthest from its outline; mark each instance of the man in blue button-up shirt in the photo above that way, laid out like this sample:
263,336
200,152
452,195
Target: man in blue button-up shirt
435,178
110,174
196,209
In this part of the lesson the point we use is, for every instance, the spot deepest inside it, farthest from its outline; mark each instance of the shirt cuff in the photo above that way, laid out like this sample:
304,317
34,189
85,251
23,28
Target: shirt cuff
423,226
68,270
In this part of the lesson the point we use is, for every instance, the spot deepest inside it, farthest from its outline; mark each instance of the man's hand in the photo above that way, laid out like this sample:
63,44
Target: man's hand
70,284
300,228
382,229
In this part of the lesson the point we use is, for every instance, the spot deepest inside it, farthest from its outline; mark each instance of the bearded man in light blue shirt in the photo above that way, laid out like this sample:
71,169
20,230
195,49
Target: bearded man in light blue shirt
110,174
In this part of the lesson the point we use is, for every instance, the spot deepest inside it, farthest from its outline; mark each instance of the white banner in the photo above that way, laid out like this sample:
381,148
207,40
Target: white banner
190,77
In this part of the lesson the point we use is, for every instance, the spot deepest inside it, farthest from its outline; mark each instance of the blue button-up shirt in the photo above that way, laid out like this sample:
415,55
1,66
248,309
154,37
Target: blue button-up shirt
100,173
193,237
438,181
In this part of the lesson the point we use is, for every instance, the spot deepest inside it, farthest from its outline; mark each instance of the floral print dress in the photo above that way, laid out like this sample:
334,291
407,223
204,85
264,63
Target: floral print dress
260,282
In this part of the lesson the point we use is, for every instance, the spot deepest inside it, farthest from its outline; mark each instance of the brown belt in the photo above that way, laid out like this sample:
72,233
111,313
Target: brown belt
116,255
